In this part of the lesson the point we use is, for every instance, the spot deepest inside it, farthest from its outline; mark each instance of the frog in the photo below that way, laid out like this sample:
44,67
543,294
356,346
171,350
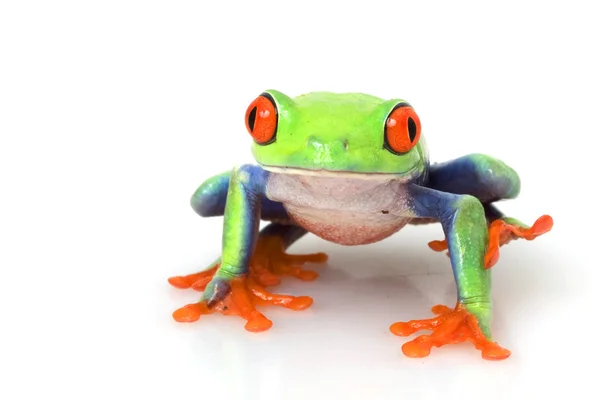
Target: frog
352,169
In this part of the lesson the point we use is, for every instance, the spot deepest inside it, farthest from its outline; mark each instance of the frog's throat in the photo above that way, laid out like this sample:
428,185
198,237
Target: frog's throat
405,176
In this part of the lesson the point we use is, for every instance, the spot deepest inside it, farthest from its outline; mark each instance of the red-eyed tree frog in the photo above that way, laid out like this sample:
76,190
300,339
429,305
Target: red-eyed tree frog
352,169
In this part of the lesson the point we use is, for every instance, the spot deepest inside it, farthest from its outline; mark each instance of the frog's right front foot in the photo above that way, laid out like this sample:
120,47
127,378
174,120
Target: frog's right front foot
239,296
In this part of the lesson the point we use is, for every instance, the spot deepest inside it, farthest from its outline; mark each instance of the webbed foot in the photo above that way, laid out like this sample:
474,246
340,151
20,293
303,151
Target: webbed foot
450,327
239,296
501,232
268,263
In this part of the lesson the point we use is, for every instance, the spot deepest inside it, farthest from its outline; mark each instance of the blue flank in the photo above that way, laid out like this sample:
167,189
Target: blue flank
210,198
479,175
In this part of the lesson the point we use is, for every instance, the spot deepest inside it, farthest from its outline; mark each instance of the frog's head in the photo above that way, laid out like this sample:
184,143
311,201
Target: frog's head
321,132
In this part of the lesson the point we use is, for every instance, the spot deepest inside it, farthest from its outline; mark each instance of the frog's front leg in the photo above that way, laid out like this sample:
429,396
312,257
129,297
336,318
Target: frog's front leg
269,261
489,180
231,286
464,224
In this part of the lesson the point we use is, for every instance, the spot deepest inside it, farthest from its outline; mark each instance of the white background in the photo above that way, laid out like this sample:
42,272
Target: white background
113,112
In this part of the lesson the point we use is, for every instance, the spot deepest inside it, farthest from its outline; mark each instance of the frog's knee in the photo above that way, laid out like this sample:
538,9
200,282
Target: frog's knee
502,180
209,199
469,202
470,207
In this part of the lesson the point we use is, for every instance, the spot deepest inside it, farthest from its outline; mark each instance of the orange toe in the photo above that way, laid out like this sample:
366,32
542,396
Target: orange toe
438,245
542,225
299,303
180,282
190,281
190,313
416,349
257,322
493,352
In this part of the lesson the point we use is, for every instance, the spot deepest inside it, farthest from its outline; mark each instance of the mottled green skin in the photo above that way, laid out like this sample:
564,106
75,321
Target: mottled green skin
236,250
468,242
317,131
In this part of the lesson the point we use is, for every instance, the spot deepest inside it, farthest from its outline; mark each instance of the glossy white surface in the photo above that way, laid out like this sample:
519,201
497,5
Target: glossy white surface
112,113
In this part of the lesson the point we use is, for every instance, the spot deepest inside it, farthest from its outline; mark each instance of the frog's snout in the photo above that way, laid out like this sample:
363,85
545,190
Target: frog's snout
331,146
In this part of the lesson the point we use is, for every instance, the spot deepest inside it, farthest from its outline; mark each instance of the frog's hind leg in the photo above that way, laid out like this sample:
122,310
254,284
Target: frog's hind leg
489,180
210,198
503,229
270,259
269,262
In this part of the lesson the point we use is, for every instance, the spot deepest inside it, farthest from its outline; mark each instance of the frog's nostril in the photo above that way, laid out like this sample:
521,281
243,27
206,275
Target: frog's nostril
329,145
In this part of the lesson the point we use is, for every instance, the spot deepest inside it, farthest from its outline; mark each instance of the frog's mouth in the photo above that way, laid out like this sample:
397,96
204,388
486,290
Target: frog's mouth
406,176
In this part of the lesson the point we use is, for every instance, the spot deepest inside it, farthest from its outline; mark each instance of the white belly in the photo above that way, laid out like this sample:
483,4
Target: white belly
347,211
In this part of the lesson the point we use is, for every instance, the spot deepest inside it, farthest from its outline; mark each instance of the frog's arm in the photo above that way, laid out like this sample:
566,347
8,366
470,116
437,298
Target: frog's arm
249,259
488,180
210,198
464,224
463,221
242,212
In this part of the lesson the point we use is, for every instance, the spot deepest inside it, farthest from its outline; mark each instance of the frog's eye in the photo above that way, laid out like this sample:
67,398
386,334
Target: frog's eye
402,129
261,119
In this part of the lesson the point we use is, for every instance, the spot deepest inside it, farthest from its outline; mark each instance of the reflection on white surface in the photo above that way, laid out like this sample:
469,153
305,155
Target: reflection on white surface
341,346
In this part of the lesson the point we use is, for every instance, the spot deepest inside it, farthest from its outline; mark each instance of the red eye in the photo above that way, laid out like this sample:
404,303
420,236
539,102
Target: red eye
402,129
261,119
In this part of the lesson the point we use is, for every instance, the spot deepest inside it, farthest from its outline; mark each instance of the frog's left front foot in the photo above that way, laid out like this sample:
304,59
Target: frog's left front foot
451,327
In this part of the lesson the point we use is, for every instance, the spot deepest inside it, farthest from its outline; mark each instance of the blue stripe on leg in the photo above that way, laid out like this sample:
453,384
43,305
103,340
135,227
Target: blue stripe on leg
478,175
210,198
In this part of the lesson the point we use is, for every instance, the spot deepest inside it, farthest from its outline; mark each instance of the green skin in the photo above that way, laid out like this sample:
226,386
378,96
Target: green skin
312,130
342,135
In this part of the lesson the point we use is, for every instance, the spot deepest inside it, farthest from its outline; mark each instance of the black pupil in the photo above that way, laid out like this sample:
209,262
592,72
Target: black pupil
412,129
252,118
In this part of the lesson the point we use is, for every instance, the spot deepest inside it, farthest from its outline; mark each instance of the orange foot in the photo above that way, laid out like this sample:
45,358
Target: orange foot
501,233
449,327
269,262
243,297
